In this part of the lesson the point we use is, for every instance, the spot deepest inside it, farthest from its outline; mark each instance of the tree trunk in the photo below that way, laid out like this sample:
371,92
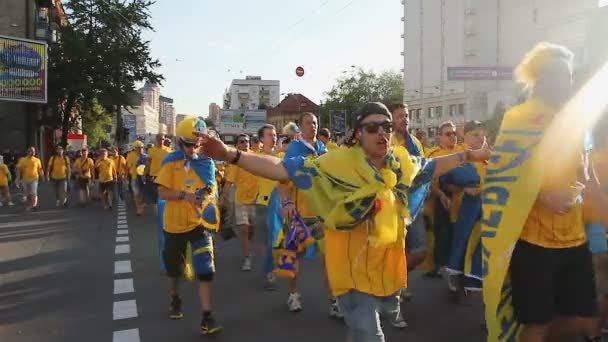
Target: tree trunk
66,120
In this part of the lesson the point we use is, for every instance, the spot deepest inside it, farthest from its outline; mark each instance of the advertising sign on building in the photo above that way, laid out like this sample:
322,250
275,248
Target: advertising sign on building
338,121
130,121
492,73
23,68
241,121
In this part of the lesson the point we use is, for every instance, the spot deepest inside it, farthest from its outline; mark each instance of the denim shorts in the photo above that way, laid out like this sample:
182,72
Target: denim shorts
596,234
362,314
30,188
415,240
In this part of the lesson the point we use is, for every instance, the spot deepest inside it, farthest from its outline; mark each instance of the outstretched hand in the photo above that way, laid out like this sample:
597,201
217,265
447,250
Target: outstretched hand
213,147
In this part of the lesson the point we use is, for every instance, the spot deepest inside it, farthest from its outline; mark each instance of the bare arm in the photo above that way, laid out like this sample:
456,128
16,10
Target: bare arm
260,165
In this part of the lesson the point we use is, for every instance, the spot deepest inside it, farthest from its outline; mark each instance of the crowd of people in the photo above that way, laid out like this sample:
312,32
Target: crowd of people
519,226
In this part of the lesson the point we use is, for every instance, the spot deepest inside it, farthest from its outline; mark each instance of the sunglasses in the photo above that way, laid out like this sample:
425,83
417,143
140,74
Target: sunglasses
187,144
450,134
374,127
243,141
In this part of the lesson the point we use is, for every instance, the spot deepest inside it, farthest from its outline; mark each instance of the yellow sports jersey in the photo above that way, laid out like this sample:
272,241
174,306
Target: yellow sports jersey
599,160
84,167
58,167
106,169
156,155
544,227
266,186
5,175
120,163
132,158
352,263
29,168
246,185
181,216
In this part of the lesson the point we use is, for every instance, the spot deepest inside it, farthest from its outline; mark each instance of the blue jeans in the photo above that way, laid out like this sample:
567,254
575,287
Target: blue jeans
362,314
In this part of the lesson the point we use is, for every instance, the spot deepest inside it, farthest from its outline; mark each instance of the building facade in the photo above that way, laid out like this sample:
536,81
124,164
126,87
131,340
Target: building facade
20,122
215,113
459,54
167,114
252,93
290,109
146,120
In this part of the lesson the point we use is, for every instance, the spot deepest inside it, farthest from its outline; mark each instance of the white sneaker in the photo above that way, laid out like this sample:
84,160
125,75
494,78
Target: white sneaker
57,203
23,199
1,205
246,264
399,322
293,302
10,204
334,309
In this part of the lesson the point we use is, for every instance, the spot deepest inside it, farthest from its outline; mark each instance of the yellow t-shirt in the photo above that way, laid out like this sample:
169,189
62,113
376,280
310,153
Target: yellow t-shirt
106,169
352,263
600,164
180,216
543,227
5,175
246,185
29,167
132,158
120,163
84,167
156,155
332,146
58,167
266,186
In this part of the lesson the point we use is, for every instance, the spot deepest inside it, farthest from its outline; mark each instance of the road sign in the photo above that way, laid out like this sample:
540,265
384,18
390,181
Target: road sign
300,71
492,73
338,121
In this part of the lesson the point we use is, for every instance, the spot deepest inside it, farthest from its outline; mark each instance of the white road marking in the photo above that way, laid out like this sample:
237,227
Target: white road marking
125,309
122,249
122,226
123,286
122,232
131,335
122,266
122,239
122,217
122,222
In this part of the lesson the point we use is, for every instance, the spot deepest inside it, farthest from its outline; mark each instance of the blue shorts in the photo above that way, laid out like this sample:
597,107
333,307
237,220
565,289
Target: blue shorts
362,314
596,235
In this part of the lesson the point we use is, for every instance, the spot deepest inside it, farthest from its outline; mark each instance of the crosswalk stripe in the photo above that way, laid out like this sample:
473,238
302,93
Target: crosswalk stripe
122,266
124,309
131,335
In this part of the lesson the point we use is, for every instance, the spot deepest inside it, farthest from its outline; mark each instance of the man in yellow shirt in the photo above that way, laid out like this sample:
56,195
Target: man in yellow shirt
268,137
107,176
366,277
136,184
244,204
187,183
121,170
325,137
156,154
5,178
29,171
84,168
551,272
59,173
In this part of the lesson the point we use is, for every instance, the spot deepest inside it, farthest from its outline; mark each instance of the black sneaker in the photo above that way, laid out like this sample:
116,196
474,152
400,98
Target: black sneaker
209,327
175,310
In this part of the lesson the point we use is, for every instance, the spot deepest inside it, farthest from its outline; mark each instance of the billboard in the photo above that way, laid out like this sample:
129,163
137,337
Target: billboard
241,121
492,73
23,70
338,121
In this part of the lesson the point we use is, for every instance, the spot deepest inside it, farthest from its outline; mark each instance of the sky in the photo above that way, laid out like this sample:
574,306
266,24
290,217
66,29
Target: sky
204,44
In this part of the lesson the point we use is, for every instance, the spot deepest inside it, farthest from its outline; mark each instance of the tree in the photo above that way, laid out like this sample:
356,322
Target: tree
99,59
209,122
94,124
358,87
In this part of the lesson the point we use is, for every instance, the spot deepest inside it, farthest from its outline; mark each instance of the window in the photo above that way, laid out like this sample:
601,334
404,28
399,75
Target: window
439,111
432,132
453,110
430,112
461,109
417,114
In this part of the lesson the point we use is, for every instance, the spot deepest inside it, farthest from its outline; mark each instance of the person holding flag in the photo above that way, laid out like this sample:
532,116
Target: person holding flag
187,183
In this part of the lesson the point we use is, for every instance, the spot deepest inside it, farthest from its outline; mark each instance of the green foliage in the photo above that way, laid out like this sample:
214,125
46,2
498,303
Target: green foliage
358,87
209,123
99,59
94,123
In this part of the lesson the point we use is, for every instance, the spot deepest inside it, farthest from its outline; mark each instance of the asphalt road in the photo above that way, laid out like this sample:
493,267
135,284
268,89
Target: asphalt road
63,278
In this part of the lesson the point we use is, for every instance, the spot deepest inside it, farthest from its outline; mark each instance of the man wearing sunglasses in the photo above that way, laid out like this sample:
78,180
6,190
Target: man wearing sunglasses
365,236
244,204
440,204
187,183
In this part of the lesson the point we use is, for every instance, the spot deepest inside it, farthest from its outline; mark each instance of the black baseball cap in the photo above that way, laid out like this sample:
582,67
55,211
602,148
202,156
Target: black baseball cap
472,125
369,109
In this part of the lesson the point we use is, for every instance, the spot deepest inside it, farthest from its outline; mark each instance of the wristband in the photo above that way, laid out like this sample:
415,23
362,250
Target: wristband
286,203
181,195
236,159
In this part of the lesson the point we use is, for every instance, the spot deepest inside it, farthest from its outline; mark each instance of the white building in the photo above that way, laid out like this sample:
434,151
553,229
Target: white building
146,120
484,39
214,113
252,93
